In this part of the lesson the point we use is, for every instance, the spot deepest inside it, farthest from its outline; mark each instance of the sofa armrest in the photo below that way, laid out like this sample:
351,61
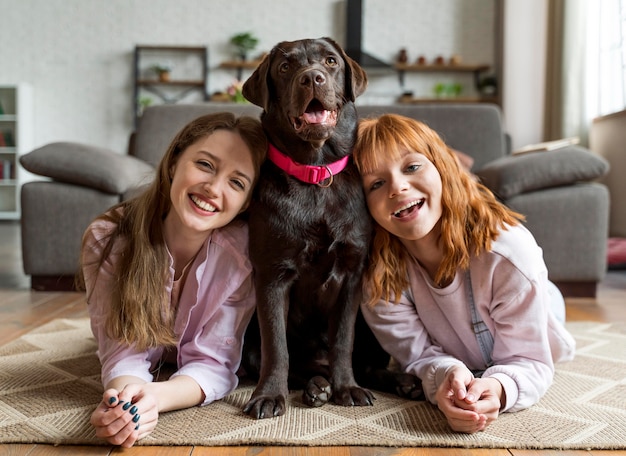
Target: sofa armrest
88,166
516,174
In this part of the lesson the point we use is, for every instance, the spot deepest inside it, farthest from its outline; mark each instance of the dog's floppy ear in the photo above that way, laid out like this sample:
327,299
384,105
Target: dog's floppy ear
356,78
256,89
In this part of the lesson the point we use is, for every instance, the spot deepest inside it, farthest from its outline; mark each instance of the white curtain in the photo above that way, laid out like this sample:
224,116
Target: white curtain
594,50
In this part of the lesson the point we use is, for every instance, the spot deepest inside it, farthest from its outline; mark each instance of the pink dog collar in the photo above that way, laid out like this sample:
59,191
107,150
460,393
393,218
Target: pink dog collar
307,173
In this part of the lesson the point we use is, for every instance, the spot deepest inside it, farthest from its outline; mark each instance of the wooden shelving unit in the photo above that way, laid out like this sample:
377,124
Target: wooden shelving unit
240,65
16,133
476,70
176,89
414,100
455,68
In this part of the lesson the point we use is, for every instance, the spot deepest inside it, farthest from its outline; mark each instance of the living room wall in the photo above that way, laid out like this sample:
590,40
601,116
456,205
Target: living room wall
77,54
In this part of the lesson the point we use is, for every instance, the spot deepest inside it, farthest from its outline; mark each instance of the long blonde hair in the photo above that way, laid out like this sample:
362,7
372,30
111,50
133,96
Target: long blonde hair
471,215
138,313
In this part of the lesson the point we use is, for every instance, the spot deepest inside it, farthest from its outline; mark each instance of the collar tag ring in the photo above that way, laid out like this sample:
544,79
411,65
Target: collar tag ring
328,181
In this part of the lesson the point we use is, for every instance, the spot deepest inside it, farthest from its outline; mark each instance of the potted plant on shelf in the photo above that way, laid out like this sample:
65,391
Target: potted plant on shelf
244,42
162,71
235,92
143,102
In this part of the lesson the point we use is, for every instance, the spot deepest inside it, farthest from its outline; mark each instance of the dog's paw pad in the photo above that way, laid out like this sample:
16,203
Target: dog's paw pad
317,392
409,387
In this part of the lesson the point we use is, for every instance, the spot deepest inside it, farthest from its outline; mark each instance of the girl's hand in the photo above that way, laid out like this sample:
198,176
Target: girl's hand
112,422
469,404
124,417
486,397
452,396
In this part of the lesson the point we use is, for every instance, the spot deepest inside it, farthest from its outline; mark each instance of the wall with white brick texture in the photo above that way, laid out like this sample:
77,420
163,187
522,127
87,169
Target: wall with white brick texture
78,54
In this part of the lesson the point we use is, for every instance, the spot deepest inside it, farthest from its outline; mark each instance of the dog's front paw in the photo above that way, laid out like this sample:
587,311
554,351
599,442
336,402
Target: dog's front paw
317,392
409,386
265,406
353,395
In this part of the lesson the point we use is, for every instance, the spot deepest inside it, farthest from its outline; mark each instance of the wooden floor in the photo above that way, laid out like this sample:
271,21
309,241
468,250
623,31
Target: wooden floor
22,310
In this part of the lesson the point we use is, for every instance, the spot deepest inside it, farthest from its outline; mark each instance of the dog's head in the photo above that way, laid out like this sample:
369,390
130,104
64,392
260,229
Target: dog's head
305,84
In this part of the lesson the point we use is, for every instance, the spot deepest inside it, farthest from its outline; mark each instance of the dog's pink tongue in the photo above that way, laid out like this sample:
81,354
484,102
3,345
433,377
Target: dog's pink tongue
316,117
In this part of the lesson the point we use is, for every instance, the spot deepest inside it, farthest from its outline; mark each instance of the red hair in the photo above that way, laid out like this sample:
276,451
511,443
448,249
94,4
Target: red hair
471,216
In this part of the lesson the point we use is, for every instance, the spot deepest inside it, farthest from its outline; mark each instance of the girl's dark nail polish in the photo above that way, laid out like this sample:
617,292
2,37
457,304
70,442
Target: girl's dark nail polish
127,405
136,427
112,400
136,418
133,410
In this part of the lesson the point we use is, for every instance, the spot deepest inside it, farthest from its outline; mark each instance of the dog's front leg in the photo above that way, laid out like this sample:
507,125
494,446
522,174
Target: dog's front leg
345,389
268,398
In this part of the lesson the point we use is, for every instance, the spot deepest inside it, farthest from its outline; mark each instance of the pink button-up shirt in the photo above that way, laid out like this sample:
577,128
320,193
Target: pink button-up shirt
214,308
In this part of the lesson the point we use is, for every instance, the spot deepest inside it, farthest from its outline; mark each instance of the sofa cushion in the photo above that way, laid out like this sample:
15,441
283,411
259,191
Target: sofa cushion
86,165
159,124
476,129
465,160
516,174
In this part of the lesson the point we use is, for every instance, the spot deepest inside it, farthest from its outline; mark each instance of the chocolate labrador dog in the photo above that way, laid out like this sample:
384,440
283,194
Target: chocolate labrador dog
309,234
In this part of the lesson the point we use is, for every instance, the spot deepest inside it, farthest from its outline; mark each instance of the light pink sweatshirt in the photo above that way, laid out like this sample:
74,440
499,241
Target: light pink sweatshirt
215,307
430,329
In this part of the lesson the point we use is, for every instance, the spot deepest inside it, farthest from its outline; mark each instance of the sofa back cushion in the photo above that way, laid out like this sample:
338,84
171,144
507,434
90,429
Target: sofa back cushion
159,124
475,129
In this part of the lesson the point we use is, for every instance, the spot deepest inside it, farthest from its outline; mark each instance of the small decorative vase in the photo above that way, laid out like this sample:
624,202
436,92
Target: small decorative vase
403,56
164,76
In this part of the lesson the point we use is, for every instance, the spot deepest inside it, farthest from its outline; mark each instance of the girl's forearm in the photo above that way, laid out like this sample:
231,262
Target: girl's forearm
119,383
174,394
177,393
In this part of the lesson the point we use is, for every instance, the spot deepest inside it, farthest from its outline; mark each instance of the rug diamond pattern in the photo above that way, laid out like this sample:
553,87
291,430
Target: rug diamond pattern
49,385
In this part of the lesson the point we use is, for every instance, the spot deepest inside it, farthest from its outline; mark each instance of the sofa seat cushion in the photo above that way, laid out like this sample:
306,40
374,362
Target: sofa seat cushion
516,174
94,167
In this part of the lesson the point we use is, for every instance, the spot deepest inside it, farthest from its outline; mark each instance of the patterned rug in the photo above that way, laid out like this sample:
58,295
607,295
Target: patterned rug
49,385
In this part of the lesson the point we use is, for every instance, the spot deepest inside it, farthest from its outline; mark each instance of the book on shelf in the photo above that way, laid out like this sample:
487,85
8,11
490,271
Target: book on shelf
6,170
547,145
9,141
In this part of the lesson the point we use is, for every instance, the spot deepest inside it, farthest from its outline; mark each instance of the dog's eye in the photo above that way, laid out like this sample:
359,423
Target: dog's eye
284,67
331,61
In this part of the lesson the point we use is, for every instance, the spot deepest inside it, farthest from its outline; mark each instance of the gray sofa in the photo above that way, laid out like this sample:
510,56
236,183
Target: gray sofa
566,210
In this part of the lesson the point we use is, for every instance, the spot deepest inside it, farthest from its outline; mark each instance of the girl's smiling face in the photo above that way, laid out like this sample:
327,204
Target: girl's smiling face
404,196
211,183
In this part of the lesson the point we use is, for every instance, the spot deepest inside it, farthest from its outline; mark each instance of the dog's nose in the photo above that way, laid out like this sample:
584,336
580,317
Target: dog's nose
313,77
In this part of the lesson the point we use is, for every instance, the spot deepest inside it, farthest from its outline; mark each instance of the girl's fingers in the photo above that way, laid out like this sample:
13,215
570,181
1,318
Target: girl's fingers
126,436
467,426
110,397
123,429
131,439
146,416
130,413
134,416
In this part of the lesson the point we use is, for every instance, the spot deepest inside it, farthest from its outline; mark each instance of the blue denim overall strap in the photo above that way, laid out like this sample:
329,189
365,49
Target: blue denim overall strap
483,336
